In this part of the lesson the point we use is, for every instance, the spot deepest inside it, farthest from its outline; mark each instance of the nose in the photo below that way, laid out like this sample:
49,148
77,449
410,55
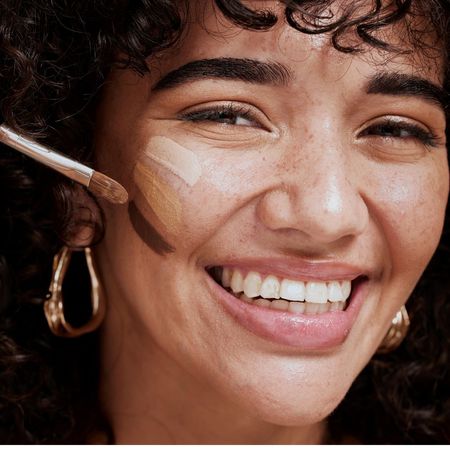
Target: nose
319,198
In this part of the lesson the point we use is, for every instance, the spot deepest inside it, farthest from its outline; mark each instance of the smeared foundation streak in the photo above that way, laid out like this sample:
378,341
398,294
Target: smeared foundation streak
147,232
179,160
160,196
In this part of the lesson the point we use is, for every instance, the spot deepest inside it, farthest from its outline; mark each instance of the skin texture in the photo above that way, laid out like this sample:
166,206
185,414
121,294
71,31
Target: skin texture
147,232
297,181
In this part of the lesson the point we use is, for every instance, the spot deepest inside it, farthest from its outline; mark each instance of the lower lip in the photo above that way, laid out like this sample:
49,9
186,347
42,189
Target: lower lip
305,332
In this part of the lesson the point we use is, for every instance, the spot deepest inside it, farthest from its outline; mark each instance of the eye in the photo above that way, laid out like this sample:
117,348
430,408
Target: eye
227,114
401,131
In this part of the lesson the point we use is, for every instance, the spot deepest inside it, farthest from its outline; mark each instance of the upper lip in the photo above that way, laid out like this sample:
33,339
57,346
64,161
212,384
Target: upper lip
297,269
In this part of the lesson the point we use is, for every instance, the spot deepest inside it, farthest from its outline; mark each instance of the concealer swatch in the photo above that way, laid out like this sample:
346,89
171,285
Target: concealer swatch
179,160
147,232
161,197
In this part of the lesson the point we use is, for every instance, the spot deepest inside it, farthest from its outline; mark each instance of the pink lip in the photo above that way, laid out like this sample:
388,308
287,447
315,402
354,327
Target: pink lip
297,269
306,333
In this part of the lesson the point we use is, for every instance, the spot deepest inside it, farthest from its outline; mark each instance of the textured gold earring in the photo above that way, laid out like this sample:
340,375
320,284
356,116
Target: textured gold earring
396,333
54,305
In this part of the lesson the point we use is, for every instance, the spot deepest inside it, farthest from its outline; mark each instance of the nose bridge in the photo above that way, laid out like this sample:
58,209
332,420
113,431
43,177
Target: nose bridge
323,192
320,183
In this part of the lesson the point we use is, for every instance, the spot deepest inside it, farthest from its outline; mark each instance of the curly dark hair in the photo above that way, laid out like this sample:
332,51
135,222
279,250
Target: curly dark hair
54,58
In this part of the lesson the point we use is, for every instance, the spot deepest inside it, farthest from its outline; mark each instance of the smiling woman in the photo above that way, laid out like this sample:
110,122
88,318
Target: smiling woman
280,272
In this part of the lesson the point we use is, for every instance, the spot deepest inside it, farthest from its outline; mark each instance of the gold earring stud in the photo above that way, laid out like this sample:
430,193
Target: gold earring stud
396,333
54,305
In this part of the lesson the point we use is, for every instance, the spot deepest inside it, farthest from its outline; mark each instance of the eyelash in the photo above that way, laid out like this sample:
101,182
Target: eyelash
220,113
392,129
388,128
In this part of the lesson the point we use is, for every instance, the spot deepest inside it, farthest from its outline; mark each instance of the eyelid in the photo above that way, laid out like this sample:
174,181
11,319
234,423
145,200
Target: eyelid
395,119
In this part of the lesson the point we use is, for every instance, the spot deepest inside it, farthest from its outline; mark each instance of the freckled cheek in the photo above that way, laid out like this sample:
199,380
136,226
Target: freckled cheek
411,211
217,197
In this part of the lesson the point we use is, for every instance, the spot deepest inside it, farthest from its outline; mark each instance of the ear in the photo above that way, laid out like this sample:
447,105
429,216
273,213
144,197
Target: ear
85,224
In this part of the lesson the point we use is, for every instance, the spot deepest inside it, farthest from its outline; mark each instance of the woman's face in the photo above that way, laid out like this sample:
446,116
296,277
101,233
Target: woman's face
301,171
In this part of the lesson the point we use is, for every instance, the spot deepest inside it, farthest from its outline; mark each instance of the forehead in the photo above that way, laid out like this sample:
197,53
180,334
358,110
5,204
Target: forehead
210,35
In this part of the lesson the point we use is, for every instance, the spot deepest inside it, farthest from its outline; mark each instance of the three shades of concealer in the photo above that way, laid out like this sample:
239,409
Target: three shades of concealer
161,198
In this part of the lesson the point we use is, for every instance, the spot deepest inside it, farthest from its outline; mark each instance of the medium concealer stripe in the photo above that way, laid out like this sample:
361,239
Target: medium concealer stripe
147,232
179,160
160,196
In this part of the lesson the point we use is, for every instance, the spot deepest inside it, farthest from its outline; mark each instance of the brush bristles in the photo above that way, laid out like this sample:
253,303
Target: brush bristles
107,188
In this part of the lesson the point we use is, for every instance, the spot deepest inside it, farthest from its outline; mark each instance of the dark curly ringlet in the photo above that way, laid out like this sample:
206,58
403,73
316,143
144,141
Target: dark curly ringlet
54,58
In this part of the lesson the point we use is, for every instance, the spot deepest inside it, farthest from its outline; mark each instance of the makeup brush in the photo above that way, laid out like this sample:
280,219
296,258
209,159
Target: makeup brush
96,182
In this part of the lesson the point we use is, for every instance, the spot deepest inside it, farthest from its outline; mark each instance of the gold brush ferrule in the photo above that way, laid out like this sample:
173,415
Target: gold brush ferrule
50,158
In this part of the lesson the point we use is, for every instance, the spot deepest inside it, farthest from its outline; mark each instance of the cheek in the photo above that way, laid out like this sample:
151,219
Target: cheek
230,182
410,206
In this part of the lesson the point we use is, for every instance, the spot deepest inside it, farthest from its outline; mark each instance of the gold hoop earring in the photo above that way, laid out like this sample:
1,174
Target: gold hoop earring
396,333
54,305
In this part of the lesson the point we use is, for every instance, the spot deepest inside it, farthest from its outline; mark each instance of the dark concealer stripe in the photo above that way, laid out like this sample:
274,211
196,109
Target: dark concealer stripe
147,232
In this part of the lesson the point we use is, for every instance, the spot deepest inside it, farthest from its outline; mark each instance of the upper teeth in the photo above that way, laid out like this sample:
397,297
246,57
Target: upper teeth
256,285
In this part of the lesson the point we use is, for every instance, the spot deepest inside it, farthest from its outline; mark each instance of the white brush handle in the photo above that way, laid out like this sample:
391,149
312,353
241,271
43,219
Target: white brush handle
62,164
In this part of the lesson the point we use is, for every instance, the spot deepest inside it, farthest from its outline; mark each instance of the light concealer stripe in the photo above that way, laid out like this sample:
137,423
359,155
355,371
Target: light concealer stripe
179,160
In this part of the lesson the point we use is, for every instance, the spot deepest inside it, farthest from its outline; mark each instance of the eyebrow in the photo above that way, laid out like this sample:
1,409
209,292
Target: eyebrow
247,70
399,84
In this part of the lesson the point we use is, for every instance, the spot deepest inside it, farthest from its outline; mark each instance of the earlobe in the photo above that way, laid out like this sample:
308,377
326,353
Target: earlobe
85,220
83,236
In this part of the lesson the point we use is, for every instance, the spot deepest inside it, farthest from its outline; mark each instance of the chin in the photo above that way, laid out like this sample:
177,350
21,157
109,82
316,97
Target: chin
298,411
304,404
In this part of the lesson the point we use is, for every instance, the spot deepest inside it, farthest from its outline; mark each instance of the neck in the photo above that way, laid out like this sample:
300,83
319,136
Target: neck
148,398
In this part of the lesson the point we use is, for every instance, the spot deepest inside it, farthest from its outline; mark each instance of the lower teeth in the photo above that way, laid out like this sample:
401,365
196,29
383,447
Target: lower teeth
295,307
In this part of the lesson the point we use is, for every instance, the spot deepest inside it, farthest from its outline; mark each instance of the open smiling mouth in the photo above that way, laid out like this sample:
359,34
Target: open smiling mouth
300,297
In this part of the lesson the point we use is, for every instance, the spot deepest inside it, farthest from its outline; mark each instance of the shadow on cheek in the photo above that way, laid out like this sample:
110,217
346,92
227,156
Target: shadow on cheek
147,232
